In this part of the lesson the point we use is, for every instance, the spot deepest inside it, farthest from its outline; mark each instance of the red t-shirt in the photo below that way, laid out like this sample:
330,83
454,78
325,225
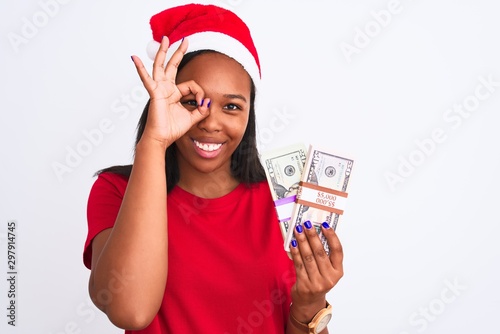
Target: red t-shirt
228,272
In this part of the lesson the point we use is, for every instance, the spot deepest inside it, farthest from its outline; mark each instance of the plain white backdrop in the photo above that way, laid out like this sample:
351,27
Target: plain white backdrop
410,89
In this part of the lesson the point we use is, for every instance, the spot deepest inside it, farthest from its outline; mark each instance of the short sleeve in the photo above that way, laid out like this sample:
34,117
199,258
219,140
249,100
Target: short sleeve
104,202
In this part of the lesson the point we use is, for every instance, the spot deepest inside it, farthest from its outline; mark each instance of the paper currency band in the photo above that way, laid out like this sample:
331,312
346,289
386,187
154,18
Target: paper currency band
322,198
284,207
286,200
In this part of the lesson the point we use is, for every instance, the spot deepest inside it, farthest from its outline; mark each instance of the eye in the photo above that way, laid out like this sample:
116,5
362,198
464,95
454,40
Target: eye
189,104
232,106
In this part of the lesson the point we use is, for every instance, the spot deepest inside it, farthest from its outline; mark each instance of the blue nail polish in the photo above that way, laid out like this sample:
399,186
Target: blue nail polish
294,243
209,103
308,224
182,39
299,228
325,225
132,57
202,101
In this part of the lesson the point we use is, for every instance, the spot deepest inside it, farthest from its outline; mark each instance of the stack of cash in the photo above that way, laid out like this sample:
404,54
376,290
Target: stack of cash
322,193
284,168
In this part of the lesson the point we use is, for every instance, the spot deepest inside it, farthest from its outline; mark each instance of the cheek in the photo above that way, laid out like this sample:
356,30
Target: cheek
238,127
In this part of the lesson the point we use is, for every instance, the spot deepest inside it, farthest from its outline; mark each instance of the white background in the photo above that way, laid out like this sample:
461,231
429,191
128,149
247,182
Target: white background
406,241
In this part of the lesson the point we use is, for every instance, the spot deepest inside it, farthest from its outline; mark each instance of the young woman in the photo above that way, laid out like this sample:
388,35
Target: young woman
186,239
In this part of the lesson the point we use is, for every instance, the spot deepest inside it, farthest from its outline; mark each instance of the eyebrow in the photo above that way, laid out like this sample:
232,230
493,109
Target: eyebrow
235,96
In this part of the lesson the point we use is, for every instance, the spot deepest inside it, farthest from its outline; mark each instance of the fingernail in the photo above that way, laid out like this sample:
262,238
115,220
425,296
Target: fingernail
308,224
202,101
294,243
209,103
299,228
325,225
132,57
182,39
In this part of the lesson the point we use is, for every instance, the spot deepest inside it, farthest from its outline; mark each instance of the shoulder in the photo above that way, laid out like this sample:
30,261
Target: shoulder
109,183
103,206
108,189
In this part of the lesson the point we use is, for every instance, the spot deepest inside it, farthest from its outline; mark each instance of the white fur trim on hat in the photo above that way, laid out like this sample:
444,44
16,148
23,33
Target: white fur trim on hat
210,40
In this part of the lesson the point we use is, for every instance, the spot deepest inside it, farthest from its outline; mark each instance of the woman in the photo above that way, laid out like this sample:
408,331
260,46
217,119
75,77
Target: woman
187,240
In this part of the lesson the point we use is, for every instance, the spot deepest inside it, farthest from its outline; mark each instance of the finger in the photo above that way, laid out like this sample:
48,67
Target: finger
336,251
317,249
175,60
159,62
306,253
203,108
146,79
300,270
191,87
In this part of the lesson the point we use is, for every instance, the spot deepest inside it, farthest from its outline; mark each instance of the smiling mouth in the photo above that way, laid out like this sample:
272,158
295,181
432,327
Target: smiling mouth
208,147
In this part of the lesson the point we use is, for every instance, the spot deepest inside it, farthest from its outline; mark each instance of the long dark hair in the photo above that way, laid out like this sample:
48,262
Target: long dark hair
245,163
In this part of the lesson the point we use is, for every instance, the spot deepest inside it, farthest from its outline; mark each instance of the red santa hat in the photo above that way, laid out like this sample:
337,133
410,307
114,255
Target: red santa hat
207,27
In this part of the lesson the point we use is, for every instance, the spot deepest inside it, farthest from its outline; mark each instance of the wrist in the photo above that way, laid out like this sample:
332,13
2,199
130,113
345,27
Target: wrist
148,143
149,156
317,324
304,313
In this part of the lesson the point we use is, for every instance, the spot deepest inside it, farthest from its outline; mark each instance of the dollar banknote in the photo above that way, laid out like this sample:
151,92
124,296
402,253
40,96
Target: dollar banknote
322,193
284,168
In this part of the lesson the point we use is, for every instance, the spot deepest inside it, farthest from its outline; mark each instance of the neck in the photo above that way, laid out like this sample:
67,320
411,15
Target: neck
208,185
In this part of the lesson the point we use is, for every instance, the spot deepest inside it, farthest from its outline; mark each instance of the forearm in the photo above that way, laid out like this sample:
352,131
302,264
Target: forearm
137,247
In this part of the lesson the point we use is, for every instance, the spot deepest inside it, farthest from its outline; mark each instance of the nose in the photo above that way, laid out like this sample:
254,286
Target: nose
212,122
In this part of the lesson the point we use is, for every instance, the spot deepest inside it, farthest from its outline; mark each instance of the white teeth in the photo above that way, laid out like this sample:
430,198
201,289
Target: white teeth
207,147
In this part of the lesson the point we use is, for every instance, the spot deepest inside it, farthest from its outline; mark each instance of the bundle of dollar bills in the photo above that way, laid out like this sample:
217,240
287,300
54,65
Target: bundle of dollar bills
284,168
319,195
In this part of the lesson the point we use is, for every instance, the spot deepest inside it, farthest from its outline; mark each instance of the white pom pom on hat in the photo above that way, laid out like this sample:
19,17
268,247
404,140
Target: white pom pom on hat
207,27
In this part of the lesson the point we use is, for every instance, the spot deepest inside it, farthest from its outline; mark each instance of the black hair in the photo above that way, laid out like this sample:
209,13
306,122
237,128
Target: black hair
245,163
